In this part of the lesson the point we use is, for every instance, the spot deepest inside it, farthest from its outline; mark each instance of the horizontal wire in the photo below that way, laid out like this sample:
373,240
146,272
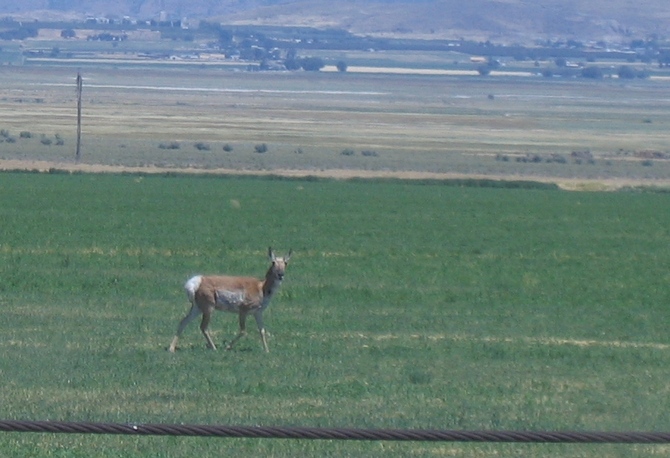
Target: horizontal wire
260,432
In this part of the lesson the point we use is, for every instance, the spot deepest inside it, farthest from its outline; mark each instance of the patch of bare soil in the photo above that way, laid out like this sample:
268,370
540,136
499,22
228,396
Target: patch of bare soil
574,184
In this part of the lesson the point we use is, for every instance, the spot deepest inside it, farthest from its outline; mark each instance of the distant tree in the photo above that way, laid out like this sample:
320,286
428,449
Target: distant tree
291,54
626,72
251,51
21,33
341,66
637,43
593,72
484,69
292,64
68,33
560,62
312,64
225,38
493,63
106,36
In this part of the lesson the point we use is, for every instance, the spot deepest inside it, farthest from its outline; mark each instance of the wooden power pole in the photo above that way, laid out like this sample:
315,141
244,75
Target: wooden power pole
79,89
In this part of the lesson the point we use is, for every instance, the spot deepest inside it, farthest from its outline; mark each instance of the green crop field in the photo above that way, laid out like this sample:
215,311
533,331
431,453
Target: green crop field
406,305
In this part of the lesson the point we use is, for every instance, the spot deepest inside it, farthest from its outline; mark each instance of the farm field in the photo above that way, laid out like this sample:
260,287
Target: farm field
210,119
406,305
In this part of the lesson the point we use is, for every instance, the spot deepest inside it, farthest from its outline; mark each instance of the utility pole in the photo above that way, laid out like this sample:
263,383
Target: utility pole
79,89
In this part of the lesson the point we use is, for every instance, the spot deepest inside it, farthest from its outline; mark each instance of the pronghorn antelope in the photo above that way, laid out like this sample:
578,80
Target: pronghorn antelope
241,295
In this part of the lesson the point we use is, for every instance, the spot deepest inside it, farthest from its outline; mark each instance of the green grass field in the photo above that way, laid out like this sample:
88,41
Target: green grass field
406,305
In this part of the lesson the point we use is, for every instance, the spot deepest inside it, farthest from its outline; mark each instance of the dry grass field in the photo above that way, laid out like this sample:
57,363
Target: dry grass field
315,123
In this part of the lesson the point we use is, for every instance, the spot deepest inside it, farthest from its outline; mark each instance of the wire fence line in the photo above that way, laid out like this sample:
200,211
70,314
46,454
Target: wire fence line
262,432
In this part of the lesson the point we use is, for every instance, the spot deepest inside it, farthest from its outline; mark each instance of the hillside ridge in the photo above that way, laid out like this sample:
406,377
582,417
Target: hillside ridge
499,20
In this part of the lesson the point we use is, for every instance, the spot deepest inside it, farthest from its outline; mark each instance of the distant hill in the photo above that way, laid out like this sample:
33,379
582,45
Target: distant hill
495,20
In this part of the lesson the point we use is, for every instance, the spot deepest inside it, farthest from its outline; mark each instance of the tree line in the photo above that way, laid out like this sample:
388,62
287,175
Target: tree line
278,47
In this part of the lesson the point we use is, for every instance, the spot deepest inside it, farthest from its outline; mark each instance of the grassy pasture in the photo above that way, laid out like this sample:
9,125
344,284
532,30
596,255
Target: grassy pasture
416,123
406,305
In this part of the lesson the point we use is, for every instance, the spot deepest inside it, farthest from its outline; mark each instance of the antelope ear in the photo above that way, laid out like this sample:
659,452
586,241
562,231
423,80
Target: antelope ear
288,256
271,255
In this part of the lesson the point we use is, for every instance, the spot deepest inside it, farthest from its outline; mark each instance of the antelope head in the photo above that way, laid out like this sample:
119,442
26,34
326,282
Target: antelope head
278,268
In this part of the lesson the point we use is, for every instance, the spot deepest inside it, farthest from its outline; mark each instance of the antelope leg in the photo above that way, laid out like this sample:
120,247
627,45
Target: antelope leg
243,330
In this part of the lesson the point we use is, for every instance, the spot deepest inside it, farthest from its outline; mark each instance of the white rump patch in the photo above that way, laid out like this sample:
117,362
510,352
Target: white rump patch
191,286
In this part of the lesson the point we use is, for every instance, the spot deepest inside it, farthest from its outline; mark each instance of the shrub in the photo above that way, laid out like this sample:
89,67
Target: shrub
347,152
369,153
171,145
227,147
580,156
529,157
557,158
261,148
200,146
4,133
46,141
25,134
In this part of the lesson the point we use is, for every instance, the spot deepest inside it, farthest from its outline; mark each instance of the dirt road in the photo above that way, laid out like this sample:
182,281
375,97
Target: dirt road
564,183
